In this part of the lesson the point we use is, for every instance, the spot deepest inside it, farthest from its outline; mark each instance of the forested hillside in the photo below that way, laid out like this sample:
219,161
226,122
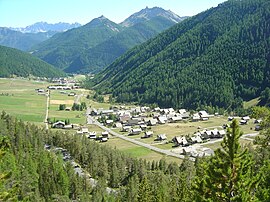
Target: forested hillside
31,173
63,48
16,62
97,58
217,58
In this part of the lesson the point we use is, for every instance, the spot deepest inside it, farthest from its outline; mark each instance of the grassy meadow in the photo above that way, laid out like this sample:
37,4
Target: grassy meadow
57,98
19,98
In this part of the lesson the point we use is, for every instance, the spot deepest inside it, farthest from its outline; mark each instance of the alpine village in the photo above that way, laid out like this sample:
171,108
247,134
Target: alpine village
157,108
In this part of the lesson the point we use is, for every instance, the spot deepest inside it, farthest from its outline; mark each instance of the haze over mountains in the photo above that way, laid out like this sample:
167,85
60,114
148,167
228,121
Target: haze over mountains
95,45
46,27
219,57
22,41
25,38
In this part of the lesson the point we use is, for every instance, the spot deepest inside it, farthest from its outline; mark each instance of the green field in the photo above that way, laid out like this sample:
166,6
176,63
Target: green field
217,145
57,98
18,98
137,151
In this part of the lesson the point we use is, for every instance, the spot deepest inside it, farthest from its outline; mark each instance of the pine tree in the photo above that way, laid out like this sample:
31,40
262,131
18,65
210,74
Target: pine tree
263,153
132,189
145,193
4,146
228,174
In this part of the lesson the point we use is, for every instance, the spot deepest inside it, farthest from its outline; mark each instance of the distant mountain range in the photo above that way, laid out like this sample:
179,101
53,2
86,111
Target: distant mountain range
26,38
47,27
217,58
92,47
16,62
22,41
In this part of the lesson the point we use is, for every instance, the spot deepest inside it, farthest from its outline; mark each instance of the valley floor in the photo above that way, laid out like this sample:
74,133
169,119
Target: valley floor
26,100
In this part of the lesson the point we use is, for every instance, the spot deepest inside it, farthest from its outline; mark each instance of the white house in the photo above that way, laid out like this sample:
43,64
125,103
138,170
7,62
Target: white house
135,131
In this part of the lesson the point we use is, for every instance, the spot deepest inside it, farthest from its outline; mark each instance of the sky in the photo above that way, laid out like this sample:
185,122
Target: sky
21,13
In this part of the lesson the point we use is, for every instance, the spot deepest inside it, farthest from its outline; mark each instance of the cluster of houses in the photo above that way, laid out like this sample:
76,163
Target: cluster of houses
82,131
65,82
197,151
198,137
61,87
245,119
93,135
139,119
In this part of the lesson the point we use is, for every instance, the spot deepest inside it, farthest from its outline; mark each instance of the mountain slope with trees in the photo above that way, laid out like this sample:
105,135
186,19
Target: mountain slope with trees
63,48
100,56
219,57
91,48
19,63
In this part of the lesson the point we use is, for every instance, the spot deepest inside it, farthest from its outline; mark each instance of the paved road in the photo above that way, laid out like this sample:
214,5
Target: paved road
90,120
77,98
47,110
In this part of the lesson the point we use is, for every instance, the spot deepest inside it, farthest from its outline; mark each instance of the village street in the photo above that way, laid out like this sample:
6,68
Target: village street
90,120
47,110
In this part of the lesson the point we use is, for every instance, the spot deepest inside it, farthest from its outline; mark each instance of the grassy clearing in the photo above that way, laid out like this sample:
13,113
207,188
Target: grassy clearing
251,103
188,128
22,101
79,77
57,98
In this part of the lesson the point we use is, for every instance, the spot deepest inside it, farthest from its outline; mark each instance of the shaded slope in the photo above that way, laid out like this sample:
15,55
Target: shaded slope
63,48
216,58
16,62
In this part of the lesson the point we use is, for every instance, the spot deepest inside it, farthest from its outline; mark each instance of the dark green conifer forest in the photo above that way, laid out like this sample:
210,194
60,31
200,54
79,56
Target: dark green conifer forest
19,63
217,58
28,172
